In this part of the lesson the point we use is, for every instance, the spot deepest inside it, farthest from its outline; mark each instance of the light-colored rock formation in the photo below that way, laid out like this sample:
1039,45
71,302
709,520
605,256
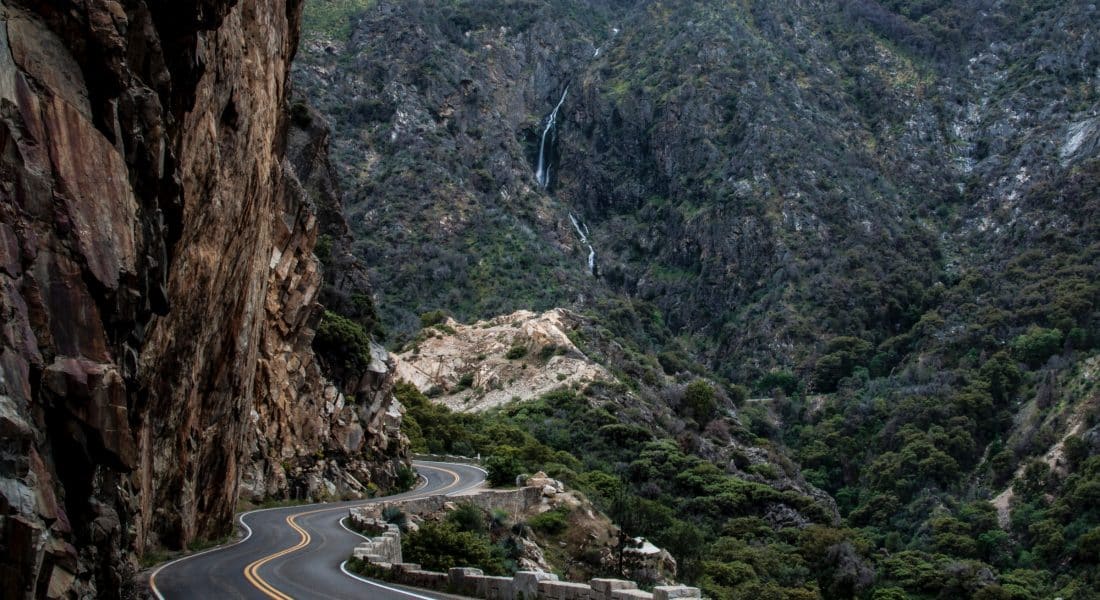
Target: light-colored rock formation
443,355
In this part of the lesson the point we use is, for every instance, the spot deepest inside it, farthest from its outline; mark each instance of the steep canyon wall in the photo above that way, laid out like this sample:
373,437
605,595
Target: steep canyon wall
159,290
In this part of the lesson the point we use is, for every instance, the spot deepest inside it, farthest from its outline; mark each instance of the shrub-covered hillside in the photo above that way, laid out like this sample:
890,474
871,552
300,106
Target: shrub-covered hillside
879,220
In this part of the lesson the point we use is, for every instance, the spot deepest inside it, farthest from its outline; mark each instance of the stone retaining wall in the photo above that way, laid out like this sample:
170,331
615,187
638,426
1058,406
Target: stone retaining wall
515,501
451,458
527,585
384,543
383,551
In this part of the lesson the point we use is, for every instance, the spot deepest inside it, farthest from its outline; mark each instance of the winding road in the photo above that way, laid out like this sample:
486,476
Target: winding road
298,551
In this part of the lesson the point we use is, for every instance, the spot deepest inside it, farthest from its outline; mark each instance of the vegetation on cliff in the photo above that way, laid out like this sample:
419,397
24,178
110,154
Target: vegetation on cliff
879,219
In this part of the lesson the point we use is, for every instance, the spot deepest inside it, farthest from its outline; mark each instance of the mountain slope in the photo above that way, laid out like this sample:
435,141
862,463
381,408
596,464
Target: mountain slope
880,216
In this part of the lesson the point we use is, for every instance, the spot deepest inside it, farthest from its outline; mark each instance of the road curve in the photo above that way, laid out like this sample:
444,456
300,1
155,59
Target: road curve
297,551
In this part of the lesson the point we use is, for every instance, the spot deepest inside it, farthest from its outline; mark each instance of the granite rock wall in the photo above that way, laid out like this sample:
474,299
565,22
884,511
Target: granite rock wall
158,290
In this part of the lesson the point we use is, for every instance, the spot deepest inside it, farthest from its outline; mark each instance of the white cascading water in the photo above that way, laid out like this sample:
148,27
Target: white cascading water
584,240
542,175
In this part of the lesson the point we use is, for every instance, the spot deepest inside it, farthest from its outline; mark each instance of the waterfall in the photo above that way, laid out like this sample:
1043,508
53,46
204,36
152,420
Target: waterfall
599,49
542,175
583,234
584,238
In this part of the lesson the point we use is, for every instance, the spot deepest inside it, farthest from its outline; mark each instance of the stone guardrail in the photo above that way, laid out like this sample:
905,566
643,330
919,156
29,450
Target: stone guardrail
464,460
515,501
382,551
526,585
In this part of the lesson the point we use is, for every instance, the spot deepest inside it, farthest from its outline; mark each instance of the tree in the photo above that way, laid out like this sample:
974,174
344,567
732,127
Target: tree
624,515
1037,345
738,394
343,344
995,547
1034,480
1048,541
685,542
700,401
781,380
1076,451
1088,547
503,469
1002,375
842,355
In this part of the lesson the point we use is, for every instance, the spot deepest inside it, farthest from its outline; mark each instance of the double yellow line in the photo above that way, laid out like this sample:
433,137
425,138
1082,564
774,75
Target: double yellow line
251,572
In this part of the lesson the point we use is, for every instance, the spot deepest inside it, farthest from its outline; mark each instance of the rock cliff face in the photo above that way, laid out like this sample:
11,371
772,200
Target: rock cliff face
159,288
483,365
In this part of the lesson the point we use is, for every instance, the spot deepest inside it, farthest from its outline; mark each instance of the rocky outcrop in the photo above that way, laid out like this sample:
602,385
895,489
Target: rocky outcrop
485,364
346,287
159,289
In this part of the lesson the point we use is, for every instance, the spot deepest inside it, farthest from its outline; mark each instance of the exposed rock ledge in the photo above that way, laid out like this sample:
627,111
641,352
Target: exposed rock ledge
443,355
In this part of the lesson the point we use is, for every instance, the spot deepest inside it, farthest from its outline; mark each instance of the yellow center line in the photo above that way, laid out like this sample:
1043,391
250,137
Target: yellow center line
251,572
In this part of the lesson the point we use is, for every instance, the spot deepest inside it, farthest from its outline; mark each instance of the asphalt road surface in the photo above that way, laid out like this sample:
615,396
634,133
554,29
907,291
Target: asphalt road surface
298,551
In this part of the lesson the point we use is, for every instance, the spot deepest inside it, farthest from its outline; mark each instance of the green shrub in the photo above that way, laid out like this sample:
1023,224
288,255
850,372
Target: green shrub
551,522
498,519
343,343
1037,345
369,569
442,546
467,517
516,352
764,470
673,362
433,317
406,478
465,381
548,351
299,114
395,516
700,401
503,470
